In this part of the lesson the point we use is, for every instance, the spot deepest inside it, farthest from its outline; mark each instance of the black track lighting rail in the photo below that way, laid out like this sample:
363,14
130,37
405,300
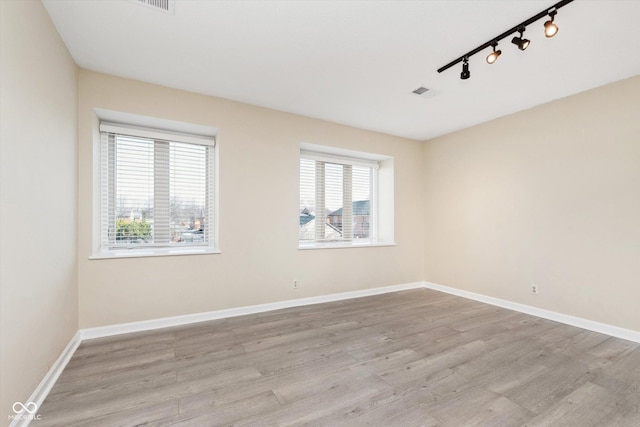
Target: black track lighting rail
515,29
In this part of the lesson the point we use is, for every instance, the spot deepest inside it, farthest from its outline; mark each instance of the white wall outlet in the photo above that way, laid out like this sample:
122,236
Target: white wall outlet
535,290
295,283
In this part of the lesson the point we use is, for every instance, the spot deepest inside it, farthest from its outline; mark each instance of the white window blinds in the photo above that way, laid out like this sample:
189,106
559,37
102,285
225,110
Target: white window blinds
337,199
157,188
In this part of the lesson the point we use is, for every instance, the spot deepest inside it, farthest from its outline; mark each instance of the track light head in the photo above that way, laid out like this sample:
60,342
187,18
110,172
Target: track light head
465,74
550,29
521,42
493,56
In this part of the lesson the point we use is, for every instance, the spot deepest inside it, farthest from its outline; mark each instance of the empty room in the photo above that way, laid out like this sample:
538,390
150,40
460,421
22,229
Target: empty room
327,213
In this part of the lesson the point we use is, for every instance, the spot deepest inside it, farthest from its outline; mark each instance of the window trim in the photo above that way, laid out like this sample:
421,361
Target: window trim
354,158
155,252
161,130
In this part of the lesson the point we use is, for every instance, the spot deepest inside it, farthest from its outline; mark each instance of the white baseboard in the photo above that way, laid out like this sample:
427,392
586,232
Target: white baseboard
42,390
603,328
146,325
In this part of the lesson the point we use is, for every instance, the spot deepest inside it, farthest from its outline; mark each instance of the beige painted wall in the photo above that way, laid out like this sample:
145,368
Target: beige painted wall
38,286
258,153
549,196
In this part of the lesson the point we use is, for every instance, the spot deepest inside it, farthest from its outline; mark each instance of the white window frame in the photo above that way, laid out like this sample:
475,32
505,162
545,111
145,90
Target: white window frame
353,158
101,247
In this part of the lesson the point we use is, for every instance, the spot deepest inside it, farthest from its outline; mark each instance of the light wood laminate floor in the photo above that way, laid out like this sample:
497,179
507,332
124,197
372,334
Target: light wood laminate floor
412,358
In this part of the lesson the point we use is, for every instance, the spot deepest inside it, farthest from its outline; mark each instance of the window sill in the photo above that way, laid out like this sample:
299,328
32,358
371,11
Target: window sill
334,245
153,252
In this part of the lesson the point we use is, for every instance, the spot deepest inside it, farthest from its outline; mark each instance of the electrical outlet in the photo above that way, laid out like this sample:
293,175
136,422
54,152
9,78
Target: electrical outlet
295,283
535,290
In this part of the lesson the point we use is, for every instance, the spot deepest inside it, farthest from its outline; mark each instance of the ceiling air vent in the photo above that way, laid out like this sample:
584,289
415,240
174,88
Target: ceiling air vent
424,92
167,6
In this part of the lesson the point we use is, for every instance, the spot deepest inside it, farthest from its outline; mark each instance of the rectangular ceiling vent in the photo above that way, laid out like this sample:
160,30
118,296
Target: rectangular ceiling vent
167,6
424,92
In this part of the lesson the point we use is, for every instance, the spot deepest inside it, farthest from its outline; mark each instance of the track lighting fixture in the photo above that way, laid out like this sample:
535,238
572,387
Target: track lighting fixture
493,56
550,30
465,74
521,42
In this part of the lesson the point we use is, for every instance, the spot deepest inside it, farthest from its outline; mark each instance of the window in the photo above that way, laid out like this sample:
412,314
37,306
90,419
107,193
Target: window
157,190
338,200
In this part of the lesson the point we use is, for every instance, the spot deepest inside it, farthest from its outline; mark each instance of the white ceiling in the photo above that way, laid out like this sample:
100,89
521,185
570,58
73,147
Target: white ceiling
357,62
